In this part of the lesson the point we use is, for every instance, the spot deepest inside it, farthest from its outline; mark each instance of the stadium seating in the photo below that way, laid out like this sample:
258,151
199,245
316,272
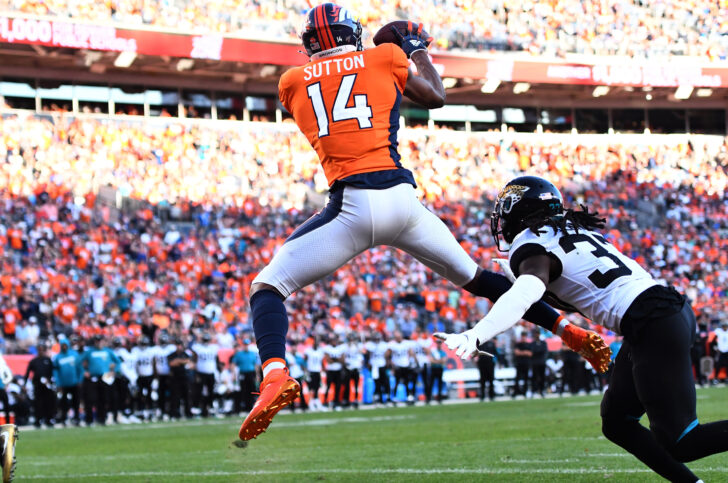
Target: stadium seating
207,205
627,28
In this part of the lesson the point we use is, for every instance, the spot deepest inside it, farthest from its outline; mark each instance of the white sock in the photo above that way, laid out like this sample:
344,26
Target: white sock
272,365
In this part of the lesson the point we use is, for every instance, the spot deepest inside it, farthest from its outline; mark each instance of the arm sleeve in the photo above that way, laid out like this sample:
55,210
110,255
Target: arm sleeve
400,66
509,309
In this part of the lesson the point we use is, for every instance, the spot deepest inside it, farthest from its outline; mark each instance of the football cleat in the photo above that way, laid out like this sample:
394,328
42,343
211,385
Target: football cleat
277,391
588,345
8,437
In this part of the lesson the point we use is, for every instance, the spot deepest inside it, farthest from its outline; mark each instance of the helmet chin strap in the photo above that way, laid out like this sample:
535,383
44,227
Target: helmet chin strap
341,49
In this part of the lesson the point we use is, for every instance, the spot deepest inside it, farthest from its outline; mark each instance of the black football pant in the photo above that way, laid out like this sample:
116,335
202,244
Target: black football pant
44,404
435,377
352,376
381,385
314,384
333,378
653,374
205,392
95,396
521,382
406,376
144,383
72,393
424,373
247,387
538,378
163,390
121,397
180,395
487,375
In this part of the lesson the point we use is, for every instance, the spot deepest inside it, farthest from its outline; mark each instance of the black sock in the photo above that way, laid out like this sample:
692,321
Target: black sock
492,285
703,440
270,324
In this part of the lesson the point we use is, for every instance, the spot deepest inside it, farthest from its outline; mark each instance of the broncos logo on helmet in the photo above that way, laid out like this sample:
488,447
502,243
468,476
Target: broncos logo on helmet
329,26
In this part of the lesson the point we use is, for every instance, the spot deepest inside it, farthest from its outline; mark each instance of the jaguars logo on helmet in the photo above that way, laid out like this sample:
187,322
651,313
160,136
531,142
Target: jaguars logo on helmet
329,26
526,197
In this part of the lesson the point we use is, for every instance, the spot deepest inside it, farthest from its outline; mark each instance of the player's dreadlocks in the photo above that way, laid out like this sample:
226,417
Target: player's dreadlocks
576,219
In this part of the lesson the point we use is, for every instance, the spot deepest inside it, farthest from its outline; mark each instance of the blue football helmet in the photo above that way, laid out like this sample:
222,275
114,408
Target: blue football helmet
329,26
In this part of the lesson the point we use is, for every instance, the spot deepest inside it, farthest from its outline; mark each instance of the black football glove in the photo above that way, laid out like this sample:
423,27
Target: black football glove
413,40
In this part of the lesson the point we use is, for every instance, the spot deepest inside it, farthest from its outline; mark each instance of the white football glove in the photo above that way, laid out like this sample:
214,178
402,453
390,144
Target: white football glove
506,267
464,344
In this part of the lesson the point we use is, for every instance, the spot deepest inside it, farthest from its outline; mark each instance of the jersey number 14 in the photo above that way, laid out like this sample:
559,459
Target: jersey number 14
361,111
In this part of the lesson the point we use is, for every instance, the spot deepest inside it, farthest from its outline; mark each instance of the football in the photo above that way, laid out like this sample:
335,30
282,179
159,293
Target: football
385,35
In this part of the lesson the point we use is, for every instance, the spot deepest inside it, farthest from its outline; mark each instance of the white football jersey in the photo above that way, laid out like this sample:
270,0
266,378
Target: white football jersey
314,359
128,366
721,339
334,352
353,356
160,358
596,279
143,360
206,357
422,350
400,352
377,353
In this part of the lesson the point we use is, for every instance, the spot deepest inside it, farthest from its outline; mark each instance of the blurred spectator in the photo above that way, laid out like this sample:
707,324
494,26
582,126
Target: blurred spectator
627,27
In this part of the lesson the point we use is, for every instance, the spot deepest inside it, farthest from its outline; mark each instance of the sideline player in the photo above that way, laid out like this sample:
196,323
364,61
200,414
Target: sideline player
346,102
556,250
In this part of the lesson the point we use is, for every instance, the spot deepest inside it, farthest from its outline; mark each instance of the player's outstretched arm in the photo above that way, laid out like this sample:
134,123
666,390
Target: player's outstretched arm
426,88
505,313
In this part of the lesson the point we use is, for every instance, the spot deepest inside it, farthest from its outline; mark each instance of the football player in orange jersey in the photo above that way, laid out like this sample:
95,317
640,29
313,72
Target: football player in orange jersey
346,102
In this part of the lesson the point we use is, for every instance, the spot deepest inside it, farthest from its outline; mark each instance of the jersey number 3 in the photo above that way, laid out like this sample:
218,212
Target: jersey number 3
600,279
361,111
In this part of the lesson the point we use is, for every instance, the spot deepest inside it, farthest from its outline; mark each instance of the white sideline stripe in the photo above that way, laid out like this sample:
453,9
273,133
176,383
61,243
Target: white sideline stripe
373,471
546,461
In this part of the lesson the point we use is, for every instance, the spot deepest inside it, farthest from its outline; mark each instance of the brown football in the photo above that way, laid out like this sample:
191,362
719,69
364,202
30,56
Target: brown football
385,35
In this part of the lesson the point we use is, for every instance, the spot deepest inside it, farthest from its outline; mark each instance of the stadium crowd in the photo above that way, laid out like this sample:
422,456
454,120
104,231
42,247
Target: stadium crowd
631,28
212,204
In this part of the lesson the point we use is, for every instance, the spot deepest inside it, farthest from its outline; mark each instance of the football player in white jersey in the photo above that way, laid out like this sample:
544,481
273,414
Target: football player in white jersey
143,356
161,368
334,357
125,379
554,251
314,357
378,354
353,362
206,362
403,359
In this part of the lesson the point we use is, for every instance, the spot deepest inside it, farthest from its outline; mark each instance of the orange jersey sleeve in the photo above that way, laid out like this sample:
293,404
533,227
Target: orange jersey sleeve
347,106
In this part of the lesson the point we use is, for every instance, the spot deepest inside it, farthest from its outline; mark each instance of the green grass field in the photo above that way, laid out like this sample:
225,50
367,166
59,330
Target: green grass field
535,440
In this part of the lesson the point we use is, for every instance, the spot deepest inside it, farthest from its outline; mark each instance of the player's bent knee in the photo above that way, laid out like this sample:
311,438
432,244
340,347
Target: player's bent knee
256,287
616,429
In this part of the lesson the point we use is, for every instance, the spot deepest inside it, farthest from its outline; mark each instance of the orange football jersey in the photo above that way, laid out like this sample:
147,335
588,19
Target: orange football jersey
348,107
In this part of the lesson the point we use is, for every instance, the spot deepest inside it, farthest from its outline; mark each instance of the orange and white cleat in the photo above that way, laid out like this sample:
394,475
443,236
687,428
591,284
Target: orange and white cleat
588,345
277,391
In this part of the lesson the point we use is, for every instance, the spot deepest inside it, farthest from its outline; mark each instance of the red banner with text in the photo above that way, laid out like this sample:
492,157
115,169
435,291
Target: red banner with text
504,67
